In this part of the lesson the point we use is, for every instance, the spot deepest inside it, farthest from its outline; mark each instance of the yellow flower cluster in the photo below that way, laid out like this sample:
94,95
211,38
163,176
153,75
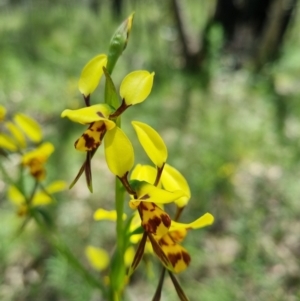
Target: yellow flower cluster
149,187
23,135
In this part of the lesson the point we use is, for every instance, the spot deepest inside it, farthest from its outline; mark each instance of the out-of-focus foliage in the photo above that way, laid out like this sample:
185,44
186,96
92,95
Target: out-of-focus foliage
233,134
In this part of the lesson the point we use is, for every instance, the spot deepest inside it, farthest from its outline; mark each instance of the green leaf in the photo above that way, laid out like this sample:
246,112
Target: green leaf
111,95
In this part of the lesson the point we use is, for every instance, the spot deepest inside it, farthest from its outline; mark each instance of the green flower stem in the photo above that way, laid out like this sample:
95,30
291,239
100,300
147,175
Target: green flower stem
120,211
118,269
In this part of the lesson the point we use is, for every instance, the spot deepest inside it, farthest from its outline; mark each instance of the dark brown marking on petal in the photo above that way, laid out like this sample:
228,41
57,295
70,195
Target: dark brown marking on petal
145,197
186,257
166,220
174,257
143,206
89,141
101,128
140,209
91,126
152,224
100,114
158,250
162,242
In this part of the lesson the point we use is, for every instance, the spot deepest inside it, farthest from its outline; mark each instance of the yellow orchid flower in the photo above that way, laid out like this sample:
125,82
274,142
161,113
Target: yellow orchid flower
16,134
36,160
97,117
15,140
178,256
167,248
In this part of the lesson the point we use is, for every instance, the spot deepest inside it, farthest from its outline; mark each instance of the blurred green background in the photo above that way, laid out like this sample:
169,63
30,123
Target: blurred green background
225,100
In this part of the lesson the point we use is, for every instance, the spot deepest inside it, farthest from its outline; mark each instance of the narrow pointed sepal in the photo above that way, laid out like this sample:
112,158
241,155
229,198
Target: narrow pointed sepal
80,172
157,294
138,255
88,171
178,288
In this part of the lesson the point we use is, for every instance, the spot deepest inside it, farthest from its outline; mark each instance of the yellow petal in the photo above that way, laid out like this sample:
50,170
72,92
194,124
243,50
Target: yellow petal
173,180
205,220
149,193
144,173
91,74
90,114
92,137
178,235
29,126
136,87
15,196
16,133
152,143
119,153
41,198
2,112
154,219
7,143
101,214
98,258
177,255
40,154
56,186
